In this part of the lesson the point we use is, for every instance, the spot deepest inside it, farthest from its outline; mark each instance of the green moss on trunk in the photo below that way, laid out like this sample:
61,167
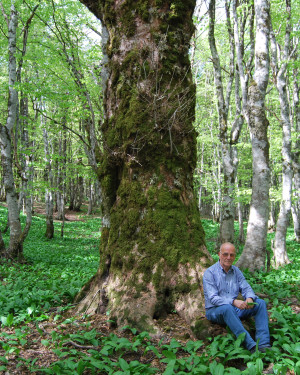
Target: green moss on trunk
154,244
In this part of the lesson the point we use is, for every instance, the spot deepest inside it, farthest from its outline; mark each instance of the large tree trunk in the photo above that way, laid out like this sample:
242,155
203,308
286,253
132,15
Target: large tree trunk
152,244
254,253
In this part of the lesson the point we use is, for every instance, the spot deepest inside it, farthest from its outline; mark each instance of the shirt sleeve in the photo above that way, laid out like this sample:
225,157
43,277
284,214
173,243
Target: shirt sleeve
245,289
211,292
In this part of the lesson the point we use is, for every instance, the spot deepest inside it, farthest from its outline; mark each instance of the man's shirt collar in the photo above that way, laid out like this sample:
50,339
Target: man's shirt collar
222,269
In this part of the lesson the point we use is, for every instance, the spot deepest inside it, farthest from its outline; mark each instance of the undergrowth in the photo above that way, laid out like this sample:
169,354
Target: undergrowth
43,288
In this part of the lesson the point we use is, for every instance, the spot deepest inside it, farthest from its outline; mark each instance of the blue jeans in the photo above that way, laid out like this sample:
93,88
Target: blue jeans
231,316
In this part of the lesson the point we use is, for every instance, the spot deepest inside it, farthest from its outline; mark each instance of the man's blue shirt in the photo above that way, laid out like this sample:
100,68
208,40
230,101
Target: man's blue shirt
221,288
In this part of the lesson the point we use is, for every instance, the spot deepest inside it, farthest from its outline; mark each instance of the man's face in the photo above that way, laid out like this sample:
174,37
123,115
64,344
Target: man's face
227,256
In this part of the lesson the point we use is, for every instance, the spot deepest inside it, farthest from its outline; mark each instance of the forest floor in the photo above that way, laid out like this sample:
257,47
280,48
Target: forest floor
172,327
40,338
70,215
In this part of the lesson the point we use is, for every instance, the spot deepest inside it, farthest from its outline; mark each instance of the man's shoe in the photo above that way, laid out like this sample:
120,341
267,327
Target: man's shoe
263,349
253,349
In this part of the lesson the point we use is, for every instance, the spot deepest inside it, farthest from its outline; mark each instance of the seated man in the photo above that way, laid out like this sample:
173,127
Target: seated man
222,283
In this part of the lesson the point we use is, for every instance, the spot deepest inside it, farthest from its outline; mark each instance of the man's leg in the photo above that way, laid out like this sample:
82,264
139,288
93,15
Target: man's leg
260,314
227,314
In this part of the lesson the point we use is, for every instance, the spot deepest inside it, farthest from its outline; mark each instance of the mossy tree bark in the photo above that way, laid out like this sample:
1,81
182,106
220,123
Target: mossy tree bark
152,247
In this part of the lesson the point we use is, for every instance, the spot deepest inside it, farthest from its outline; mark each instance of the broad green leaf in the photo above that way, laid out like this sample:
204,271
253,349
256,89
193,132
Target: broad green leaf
123,364
169,354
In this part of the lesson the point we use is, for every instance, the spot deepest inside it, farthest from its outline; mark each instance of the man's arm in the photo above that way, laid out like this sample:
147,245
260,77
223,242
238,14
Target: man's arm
245,289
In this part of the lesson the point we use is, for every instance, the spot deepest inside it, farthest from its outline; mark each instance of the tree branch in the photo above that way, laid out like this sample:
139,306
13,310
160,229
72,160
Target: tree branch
64,126
4,13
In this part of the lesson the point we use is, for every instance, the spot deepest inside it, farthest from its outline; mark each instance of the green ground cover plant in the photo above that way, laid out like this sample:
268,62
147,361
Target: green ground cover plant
48,279
36,296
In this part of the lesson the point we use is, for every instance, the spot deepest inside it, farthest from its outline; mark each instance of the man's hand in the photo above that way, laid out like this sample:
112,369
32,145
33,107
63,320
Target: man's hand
242,305
250,300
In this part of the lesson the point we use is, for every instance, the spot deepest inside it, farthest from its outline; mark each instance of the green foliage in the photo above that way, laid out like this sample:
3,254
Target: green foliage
55,272
47,83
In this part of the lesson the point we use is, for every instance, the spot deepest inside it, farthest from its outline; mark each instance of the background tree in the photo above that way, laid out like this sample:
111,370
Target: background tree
7,132
296,155
228,141
254,253
47,79
280,78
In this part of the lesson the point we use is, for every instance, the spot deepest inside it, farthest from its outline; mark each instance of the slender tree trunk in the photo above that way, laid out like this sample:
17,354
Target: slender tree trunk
217,181
229,159
218,193
61,176
296,158
49,192
272,217
71,194
279,249
152,243
296,208
254,253
241,223
91,196
240,217
200,177
15,247
2,191
27,161
79,194
2,245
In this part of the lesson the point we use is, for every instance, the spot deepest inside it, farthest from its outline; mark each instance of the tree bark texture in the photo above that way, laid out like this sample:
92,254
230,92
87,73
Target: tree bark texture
152,246
254,253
